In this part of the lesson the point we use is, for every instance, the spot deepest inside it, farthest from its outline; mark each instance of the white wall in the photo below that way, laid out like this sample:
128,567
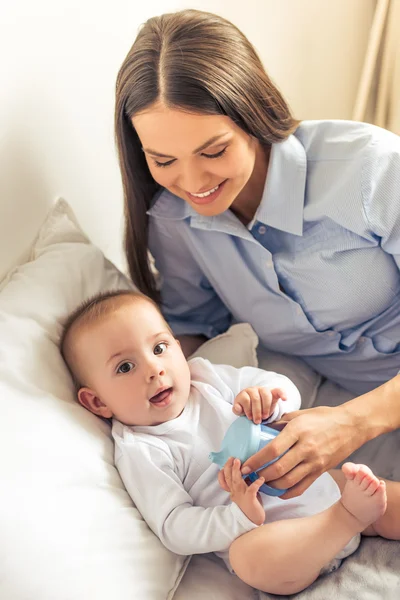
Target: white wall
59,60
313,49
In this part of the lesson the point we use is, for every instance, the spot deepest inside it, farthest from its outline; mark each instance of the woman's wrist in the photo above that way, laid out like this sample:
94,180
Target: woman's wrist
377,411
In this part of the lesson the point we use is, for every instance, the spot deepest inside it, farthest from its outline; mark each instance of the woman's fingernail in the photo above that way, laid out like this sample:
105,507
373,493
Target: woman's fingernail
246,470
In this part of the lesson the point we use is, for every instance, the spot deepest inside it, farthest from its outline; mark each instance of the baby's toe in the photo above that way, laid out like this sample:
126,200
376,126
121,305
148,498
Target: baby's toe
372,487
350,470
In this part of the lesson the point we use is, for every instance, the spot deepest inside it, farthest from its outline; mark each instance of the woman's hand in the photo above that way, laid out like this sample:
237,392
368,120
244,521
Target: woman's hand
313,440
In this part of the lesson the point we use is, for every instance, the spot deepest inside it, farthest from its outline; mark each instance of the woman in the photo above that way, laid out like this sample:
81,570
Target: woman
253,216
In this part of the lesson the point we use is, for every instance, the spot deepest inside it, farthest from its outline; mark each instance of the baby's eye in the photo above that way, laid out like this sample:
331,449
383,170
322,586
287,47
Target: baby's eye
160,348
125,367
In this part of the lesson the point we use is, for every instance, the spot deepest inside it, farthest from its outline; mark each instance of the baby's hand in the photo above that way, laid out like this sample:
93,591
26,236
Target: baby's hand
257,403
246,497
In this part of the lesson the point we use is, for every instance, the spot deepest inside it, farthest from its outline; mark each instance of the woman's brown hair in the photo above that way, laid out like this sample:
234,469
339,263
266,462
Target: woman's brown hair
197,62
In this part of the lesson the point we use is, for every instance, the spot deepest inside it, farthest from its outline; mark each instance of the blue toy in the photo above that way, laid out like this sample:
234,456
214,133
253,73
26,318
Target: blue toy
243,439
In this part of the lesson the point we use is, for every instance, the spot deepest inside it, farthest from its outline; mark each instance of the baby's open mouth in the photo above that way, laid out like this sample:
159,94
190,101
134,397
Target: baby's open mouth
161,396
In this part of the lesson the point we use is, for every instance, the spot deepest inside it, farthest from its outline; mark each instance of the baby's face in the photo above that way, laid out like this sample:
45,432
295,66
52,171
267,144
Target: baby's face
135,366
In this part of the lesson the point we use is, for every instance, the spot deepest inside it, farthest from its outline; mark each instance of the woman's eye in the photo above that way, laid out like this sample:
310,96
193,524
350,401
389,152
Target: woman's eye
160,348
170,162
125,367
217,155
164,164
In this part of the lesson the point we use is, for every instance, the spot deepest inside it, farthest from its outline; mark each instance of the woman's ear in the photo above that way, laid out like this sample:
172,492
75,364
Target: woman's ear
89,400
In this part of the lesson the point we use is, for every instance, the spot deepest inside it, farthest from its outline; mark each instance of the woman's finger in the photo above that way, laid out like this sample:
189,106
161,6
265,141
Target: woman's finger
286,417
301,487
278,471
293,477
283,441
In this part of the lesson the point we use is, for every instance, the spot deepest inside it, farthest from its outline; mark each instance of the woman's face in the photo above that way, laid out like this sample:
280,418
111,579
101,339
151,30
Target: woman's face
206,160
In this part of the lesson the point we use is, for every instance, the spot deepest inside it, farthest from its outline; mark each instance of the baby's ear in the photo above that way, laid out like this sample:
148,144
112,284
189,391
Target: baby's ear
89,400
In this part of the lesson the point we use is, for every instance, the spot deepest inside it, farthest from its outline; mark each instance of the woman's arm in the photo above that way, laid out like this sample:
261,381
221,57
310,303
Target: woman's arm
190,343
317,439
189,302
378,411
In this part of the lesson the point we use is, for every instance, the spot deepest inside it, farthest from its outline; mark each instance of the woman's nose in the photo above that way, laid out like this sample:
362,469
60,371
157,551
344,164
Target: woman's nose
192,180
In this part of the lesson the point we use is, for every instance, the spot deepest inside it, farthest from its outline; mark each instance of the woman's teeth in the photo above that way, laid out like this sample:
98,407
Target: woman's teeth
205,194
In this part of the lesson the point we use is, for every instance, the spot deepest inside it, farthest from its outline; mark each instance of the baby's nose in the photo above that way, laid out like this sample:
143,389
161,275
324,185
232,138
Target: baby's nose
156,370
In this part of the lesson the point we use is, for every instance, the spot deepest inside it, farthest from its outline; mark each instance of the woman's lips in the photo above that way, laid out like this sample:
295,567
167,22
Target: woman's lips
209,198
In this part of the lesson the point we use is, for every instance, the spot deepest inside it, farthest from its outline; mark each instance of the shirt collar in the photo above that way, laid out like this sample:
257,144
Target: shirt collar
282,201
168,206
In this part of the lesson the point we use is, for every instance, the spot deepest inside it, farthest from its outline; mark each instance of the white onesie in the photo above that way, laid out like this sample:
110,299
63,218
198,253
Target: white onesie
167,471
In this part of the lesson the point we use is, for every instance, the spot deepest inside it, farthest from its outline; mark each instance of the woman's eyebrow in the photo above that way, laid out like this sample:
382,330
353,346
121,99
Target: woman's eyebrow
199,149
209,142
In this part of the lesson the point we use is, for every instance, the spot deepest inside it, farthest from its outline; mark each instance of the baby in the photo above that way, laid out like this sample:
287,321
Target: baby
168,414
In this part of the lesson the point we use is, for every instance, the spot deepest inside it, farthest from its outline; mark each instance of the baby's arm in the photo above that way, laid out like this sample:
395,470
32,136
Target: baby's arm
151,481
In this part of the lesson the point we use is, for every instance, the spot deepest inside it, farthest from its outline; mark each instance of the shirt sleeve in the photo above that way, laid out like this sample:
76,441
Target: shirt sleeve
189,302
381,193
150,479
231,381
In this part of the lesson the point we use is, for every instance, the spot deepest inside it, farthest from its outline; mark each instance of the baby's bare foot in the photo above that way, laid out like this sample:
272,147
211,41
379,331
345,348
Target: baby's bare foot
364,495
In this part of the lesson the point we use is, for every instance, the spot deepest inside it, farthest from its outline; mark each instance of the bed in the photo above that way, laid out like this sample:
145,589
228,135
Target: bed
68,528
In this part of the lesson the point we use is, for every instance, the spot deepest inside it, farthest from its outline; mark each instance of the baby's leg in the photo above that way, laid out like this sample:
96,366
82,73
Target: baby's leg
388,525
284,557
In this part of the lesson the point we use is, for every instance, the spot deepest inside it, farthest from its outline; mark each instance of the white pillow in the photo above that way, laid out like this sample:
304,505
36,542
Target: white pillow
240,341
68,528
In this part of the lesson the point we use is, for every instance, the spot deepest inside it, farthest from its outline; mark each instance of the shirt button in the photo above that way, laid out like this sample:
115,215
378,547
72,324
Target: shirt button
269,264
298,310
262,229
362,339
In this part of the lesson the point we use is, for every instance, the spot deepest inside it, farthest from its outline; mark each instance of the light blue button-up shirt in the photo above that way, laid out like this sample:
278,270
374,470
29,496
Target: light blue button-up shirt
316,272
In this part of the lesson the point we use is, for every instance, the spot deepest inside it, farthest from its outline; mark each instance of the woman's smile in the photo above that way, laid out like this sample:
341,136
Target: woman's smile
209,196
